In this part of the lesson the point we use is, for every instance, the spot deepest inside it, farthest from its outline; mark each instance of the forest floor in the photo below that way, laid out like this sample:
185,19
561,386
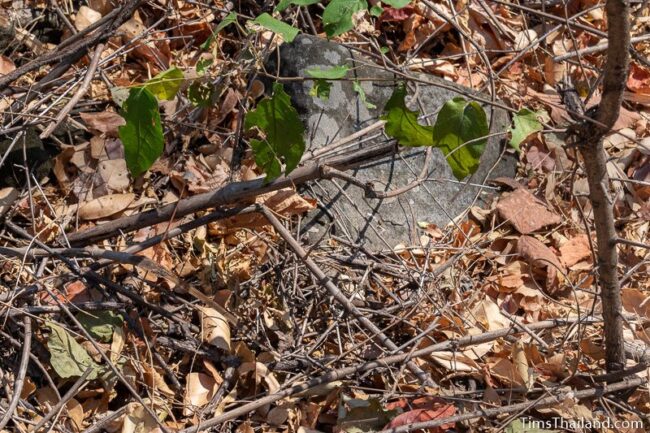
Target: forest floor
211,319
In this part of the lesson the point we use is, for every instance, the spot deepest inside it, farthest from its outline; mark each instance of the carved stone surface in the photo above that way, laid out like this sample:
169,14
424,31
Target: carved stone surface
345,212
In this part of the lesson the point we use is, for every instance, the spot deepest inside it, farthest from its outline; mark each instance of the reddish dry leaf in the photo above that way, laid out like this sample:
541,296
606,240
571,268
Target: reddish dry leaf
575,250
540,258
525,212
438,410
510,278
637,302
540,158
506,372
395,15
193,32
6,65
638,80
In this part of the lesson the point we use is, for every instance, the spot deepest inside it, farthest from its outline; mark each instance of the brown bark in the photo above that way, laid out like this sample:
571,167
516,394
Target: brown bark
595,162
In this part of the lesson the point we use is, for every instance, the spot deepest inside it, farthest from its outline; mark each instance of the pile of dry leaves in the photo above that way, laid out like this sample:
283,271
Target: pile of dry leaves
227,322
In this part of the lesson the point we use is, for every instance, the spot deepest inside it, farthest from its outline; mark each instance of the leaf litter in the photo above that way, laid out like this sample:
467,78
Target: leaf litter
526,259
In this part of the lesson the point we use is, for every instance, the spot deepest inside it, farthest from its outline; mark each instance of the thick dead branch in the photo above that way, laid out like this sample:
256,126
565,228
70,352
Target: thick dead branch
229,194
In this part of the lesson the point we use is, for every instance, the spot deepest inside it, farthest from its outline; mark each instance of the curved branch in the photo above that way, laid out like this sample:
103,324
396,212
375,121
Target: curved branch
20,374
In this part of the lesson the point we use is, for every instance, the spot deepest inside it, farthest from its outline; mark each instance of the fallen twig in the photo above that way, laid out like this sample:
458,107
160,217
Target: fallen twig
520,407
378,363
20,374
349,307
228,194
83,88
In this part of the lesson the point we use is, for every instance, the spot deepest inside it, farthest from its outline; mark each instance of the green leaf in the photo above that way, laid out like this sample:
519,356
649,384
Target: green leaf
165,85
333,73
283,130
376,10
100,324
362,95
525,122
286,3
142,136
288,32
321,86
69,358
203,65
337,17
461,131
402,123
229,19
397,4
200,94
321,89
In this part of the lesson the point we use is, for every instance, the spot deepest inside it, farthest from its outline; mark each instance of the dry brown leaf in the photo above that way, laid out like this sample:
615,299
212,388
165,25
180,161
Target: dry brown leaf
6,65
637,302
105,206
591,349
638,79
215,329
525,212
114,175
541,258
199,389
106,122
7,197
85,17
626,119
197,177
75,414
454,361
258,372
138,420
285,202
506,372
487,312
101,6
278,415
510,278
575,250
434,410
156,380
521,362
